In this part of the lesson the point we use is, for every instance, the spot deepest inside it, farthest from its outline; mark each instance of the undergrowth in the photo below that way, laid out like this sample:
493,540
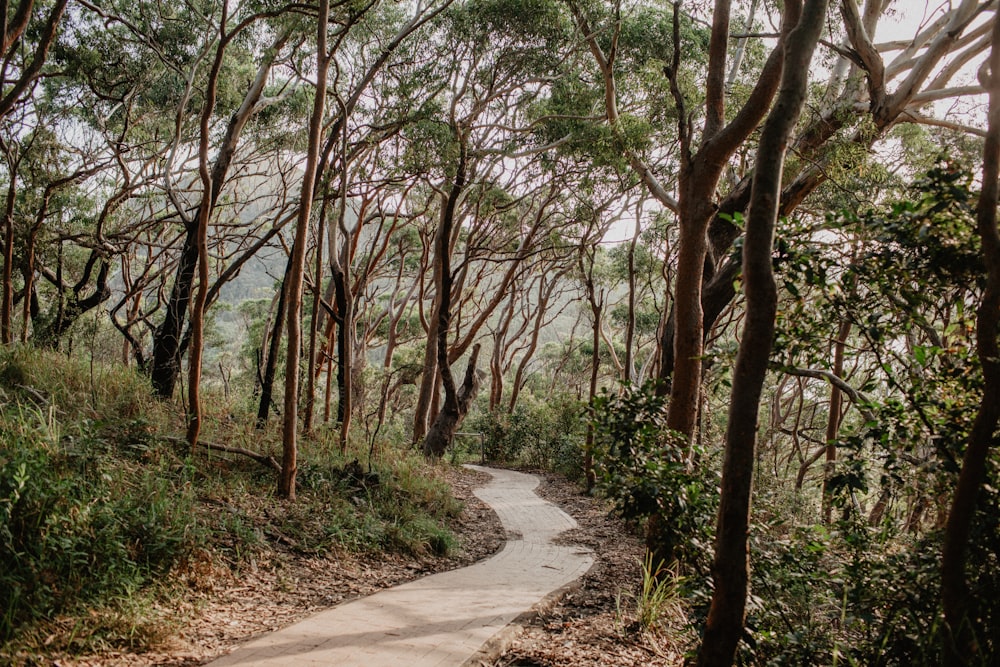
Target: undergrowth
105,518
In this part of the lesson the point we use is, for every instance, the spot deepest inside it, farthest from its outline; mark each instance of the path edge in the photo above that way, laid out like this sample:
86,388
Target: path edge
499,643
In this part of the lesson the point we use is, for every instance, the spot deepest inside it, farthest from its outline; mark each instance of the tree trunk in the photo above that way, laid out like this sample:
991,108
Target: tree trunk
699,176
545,292
630,326
315,363
68,312
345,348
289,445
7,308
166,361
596,308
428,379
955,594
167,338
442,431
273,347
731,567
500,336
833,417
395,315
455,403
201,232
340,275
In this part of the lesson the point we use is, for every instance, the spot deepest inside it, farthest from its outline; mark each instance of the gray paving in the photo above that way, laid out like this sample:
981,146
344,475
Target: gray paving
443,619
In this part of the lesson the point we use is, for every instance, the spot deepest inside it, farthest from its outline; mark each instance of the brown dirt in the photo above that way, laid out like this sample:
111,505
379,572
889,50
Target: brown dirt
223,610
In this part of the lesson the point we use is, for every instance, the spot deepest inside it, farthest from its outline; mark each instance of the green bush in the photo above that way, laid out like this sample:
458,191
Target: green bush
646,472
73,531
101,517
547,435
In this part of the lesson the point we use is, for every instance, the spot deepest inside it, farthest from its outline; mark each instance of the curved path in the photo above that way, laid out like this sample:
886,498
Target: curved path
441,620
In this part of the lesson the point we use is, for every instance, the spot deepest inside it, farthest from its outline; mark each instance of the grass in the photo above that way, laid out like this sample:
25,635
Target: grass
657,603
104,522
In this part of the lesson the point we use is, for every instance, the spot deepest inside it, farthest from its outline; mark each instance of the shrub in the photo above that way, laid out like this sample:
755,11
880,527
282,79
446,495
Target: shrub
537,434
646,472
73,530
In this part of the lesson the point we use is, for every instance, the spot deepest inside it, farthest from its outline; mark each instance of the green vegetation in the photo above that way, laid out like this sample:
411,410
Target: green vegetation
526,185
536,434
102,519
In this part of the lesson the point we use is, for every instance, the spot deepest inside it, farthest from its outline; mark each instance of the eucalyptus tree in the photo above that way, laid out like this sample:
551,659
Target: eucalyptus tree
297,260
193,61
53,205
27,32
329,163
551,291
963,624
700,165
382,76
948,41
501,59
862,100
726,615
866,98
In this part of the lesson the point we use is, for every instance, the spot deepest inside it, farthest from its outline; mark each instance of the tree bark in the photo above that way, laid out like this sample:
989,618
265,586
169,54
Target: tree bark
630,325
273,347
340,274
167,338
7,308
289,444
67,313
596,309
731,566
955,594
455,405
699,177
833,417
201,234
428,380
546,288
442,431
315,363
886,110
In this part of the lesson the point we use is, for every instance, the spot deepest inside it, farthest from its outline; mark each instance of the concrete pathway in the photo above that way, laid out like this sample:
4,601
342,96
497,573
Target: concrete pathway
441,620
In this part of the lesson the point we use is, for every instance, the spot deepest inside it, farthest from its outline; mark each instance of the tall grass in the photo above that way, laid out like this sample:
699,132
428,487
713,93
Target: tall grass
102,516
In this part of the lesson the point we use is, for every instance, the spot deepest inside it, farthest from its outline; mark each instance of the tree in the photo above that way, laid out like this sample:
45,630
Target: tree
22,67
167,340
699,172
724,625
955,594
297,262
456,400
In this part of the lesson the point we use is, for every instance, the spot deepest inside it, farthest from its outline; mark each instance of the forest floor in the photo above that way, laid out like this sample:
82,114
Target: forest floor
592,624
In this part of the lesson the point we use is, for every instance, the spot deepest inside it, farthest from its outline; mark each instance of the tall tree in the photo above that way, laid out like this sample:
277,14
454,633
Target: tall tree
724,626
18,78
955,594
167,340
456,399
297,262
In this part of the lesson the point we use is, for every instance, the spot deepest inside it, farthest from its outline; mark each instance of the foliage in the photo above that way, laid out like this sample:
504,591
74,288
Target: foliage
659,599
536,434
865,589
852,594
77,525
101,517
646,472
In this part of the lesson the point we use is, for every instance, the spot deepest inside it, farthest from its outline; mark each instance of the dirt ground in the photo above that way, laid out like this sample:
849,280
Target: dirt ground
592,624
